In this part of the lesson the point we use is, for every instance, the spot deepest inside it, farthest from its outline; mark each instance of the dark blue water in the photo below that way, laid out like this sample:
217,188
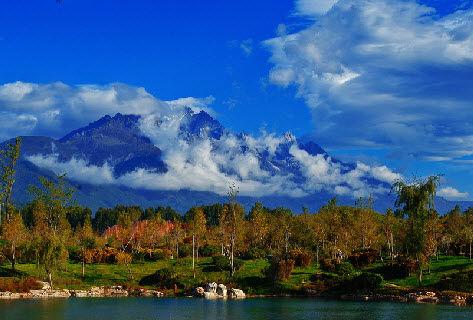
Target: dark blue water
190,309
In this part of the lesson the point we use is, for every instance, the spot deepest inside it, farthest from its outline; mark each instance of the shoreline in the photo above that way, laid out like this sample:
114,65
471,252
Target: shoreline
458,299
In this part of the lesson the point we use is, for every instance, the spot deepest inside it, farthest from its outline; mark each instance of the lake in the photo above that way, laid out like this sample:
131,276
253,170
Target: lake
188,308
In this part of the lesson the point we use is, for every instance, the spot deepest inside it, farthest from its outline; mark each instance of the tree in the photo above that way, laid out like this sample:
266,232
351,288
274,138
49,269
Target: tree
232,197
51,226
259,230
389,225
416,200
14,232
468,229
86,239
197,224
8,159
177,235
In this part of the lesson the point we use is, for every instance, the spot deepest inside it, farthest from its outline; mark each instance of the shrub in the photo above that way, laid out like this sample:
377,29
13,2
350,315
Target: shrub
139,255
366,281
74,253
158,254
165,277
363,258
255,253
105,255
328,265
19,285
185,250
321,282
398,270
222,263
301,257
459,281
344,269
279,269
209,250
123,258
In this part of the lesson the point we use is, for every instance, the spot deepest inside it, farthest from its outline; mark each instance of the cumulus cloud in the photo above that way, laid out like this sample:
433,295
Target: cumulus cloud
56,108
76,169
450,193
382,73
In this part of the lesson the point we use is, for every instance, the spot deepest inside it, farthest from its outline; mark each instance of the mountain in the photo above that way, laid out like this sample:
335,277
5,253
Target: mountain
187,158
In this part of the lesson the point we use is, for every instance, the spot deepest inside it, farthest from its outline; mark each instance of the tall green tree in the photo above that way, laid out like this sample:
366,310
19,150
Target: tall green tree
8,160
416,201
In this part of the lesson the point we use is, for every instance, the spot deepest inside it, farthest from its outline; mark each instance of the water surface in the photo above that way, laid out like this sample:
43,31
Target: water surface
188,308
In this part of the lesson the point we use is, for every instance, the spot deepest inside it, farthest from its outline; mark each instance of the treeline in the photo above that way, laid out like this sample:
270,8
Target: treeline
51,230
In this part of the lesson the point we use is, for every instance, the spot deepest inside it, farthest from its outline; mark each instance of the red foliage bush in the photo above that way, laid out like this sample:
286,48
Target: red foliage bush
301,257
363,258
19,285
105,255
328,265
280,269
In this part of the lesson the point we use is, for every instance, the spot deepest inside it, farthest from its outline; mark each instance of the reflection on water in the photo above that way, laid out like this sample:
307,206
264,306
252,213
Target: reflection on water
187,309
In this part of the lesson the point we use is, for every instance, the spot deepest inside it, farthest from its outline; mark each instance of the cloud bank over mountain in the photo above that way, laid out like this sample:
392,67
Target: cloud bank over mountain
382,74
198,153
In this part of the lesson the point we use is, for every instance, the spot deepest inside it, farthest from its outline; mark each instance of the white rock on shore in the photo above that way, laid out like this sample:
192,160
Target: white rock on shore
236,294
213,291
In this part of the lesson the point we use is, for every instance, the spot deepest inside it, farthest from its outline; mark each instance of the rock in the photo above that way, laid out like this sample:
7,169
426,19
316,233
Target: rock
211,287
422,297
147,293
211,296
116,291
199,292
156,293
79,293
50,293
236,294
222,291
44,285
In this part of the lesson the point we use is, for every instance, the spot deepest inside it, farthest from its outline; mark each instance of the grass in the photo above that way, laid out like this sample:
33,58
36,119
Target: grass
113,274
444,266
250,277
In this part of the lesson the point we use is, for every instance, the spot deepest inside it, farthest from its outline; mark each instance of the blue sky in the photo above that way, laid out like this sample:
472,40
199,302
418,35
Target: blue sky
384,82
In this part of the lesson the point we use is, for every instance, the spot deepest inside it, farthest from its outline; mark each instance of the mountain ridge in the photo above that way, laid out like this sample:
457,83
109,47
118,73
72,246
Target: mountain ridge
119,142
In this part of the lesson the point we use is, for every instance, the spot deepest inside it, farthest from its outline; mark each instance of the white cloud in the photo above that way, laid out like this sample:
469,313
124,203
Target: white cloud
450,193
246,47
57,108
76,169
314,7
381,73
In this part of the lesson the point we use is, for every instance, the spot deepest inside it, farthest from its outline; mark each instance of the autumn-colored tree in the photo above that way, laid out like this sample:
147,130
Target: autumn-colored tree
258,219
86,240
197,226
13,231
453,223
177,235
388,227
468,230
